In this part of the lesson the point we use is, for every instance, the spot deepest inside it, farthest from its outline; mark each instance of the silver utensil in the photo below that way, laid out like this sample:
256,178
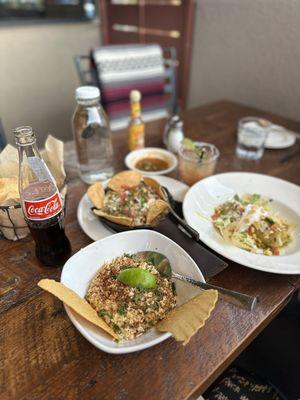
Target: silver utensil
194,234
162,264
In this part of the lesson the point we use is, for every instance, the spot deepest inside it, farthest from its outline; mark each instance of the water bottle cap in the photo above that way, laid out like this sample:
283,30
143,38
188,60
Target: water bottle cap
87,93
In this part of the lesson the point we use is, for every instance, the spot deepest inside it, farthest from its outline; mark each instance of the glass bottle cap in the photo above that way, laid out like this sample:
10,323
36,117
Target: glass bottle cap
24,135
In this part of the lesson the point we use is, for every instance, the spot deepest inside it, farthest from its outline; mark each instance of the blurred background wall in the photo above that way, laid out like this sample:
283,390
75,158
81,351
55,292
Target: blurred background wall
247,51
243,50
37,74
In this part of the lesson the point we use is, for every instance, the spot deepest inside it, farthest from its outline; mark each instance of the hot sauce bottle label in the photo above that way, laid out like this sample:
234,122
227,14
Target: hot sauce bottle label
42,209
136,137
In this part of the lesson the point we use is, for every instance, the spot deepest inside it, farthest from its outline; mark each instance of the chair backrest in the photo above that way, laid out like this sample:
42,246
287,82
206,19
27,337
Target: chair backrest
3,141
88,75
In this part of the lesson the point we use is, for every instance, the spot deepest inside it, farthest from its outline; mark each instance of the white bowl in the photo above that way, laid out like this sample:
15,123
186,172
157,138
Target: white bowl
81,268
134,156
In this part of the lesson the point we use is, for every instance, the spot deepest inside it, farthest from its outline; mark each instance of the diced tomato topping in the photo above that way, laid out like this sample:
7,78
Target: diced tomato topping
276,251
125,187
215,216
122,195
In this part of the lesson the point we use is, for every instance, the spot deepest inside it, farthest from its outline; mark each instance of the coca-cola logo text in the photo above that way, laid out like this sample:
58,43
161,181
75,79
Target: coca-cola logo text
43,209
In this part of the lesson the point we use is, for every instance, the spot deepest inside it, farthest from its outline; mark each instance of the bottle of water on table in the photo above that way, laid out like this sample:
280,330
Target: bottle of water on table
92,136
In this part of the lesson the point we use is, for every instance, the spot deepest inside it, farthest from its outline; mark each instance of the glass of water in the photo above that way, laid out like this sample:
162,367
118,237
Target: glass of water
252,134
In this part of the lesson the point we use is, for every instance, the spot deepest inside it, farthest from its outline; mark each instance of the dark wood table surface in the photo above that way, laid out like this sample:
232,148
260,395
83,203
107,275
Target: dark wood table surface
44,357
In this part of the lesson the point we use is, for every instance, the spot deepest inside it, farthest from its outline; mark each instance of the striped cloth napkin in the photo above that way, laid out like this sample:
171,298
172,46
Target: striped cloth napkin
122,68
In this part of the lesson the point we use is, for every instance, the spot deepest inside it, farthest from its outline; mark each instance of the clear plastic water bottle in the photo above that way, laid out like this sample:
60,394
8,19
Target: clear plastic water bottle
92,136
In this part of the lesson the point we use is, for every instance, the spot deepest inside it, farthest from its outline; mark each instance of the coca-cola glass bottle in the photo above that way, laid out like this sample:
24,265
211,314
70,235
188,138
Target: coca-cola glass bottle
41,201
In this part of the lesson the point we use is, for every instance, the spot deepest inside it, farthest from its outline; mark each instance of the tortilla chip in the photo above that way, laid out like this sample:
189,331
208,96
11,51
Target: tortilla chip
184,321
96,194
154,185
115,218
124,179
9,191
77,303
157,210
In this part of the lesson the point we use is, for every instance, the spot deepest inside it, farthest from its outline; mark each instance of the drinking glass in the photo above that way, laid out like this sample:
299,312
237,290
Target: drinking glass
251,137
191,168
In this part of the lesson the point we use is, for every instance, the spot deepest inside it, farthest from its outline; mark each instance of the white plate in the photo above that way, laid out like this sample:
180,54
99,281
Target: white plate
205,195
134,156
279,138
93,227
81,268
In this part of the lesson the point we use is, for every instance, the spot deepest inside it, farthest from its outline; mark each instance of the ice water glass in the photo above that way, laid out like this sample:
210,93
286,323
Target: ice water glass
251,137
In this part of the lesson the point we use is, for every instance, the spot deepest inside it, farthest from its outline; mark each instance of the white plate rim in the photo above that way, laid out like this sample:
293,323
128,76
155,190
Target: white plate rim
225,253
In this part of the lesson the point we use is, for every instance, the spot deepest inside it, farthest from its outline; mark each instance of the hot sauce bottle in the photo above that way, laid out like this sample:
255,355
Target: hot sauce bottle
136,127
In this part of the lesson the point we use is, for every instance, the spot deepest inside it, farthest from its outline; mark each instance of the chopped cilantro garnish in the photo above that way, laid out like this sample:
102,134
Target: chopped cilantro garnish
116,328
151,260
137,297
122,309
254,198
269,220
140,289
236,197
154,305
128,255
102,313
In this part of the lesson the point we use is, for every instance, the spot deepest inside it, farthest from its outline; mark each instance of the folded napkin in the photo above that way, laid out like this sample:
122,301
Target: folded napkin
209,264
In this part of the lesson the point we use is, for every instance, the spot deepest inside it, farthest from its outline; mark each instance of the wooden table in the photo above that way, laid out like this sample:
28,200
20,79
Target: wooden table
44,357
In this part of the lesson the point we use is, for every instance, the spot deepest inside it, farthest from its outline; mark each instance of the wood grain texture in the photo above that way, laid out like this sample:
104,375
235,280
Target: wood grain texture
44,357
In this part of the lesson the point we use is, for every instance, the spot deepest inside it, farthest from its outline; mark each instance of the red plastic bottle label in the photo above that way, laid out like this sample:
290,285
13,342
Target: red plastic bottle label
43,209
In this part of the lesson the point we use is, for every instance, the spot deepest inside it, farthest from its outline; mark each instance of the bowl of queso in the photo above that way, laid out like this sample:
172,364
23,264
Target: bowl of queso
151,161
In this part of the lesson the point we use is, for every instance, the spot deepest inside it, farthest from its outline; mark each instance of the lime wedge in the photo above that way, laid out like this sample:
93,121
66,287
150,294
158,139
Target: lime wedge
135,277
188,143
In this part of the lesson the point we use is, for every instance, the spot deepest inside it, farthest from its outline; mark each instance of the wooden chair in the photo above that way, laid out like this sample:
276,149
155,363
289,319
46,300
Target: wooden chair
3,141
87,74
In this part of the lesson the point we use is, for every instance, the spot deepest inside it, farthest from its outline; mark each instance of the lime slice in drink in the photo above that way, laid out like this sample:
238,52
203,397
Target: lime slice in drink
135,277
188,143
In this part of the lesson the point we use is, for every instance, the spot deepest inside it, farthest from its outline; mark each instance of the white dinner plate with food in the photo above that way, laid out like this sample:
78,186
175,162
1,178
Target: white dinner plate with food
94,228
81,268
253,226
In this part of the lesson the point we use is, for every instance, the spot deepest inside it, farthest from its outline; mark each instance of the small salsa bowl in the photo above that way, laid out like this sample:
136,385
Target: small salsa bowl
135,157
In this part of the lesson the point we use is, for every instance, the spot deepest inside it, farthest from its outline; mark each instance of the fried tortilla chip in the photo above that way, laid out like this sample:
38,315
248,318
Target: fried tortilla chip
9,190
154,185
96,194
77,303
157,210
184,321
118,219
124,179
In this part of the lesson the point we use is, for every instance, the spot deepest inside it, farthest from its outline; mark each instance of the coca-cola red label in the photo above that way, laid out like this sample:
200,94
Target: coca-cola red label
43,209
